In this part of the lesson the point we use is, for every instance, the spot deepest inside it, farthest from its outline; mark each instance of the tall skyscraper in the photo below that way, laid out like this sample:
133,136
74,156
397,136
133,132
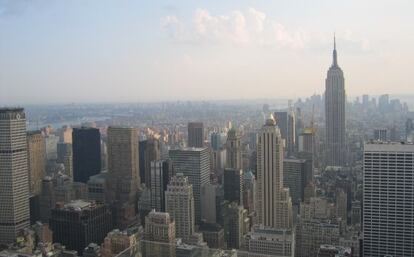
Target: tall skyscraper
388,205
294,177
152,152
195,134
36,156
195,164
273,200
335,114
161,172
233,185
86,153
123,163
215,141
180,205
286,123
233,150
14,183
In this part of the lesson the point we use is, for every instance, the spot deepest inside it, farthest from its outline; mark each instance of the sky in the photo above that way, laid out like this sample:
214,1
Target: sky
76,51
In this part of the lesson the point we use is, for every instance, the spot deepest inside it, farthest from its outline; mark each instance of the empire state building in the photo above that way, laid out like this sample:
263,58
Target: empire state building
335,114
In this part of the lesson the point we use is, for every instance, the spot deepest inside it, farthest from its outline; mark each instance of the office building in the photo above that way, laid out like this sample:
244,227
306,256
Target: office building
233,150
65,156
342,205
180,205
195,134
294,177
36,156
14,182
86,153
161,171
234,227
213,235
216,141
335,114
123,163
159,235
194,163
286,122
249,192
78,223
98,188
274,206
233,185
388,205
151,152
210,195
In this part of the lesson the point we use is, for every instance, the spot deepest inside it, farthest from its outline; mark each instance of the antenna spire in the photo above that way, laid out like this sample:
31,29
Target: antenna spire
335,58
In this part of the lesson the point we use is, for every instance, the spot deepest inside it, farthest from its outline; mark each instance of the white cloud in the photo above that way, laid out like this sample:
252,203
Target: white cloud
249,28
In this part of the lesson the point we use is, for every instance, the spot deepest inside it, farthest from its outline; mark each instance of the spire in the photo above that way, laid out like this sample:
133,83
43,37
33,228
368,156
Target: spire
335,58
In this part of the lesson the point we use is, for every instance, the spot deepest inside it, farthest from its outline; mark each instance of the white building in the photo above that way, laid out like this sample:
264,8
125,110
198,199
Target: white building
388,209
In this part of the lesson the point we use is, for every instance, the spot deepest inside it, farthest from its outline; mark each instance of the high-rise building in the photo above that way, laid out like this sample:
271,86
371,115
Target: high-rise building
274,206
195,134
215,141
78,223
159,235
161,171
233,150
209,203
294,177
36,160
194,163
123,163
152,152
213,235
342,205
335,114
86,153
180,205
249,192
233,185
263,241
234,227
14,182
66,135
286,122
65,156
388,205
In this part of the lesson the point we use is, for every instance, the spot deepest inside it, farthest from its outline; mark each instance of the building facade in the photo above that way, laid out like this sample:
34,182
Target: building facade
14,182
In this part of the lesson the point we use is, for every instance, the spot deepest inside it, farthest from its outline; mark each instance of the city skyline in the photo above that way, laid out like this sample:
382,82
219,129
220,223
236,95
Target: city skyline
119,51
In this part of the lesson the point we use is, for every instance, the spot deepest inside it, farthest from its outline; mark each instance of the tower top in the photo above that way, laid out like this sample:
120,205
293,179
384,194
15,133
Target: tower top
335,57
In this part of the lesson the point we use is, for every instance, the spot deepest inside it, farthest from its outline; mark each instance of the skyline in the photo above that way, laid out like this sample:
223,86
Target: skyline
76,51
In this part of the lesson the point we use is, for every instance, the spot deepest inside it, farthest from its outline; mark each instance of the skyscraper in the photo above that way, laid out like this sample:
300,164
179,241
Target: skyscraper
86,153
195,134
180,205
152,153
233,150
388,206
335,114
14,184
123,162
195,164
161,171
286,123
273,200
36,156
65,156
233,185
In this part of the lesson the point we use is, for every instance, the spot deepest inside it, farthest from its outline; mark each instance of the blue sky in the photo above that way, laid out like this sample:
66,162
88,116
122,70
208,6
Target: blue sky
101,50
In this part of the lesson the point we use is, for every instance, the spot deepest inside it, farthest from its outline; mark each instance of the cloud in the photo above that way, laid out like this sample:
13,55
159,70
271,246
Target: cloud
249,28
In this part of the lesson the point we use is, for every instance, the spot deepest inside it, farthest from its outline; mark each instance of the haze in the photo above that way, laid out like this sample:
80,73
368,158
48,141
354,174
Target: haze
116,51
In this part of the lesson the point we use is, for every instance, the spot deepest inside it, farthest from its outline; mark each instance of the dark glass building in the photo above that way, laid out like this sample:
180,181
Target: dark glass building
86,153
233,185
